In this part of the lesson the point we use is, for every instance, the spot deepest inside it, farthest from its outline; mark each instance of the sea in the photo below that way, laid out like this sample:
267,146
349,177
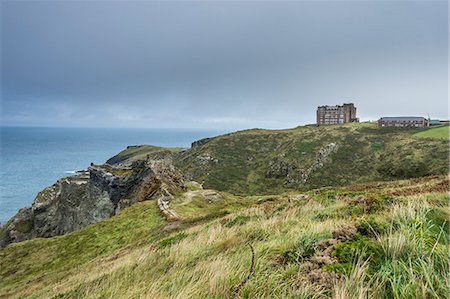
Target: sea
33,158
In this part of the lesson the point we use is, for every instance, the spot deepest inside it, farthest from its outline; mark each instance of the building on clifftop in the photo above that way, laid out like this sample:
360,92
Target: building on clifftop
334,115
403,121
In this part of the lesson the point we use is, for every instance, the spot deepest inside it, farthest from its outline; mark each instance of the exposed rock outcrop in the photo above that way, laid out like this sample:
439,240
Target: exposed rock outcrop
321,158
88,197
163,204
280,167
166,181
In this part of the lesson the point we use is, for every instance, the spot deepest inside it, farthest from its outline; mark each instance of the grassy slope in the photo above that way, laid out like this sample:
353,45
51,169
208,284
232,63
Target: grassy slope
240,160
139,152
366,153
441,132
47,261
401,247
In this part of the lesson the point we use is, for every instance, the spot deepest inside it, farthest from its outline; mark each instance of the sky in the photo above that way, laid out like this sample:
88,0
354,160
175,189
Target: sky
224,65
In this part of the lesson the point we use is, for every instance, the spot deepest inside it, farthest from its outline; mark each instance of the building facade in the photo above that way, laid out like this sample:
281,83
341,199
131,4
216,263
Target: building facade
403,121
333,115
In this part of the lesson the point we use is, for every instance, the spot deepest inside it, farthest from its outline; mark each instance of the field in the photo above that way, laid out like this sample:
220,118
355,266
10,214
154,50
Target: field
441,132
375,240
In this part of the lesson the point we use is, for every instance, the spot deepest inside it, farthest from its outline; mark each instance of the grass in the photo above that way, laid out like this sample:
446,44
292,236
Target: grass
47,261
196,204
440,133
398,250
142,152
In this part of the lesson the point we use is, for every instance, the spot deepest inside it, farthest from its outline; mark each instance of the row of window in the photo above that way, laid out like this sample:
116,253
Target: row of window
401,125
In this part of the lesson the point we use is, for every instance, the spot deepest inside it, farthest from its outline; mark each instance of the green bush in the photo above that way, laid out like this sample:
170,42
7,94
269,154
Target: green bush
370,227
359,247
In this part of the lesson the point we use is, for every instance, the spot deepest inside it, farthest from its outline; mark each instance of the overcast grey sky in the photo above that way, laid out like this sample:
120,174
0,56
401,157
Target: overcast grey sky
220,64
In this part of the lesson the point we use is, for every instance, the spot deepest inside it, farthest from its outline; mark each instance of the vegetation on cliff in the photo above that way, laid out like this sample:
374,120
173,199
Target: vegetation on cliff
273,161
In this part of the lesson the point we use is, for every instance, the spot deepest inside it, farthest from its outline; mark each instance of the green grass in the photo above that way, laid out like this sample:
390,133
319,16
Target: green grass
200,205
63,256
142,152
399,249
441,133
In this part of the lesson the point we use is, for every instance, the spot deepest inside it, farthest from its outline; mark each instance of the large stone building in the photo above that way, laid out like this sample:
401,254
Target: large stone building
403,121
333,115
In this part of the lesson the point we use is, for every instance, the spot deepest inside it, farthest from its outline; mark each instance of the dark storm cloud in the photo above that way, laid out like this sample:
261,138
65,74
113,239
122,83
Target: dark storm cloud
222,64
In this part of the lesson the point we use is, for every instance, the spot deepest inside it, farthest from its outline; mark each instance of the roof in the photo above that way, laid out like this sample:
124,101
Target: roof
403,118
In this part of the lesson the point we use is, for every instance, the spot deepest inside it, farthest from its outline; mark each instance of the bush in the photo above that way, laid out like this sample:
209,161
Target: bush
370,227
360,247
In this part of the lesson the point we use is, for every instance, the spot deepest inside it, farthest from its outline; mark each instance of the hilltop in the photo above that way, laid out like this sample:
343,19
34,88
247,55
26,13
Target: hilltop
261,161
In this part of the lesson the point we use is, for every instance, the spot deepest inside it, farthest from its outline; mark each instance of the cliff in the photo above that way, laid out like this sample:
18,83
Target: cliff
88,197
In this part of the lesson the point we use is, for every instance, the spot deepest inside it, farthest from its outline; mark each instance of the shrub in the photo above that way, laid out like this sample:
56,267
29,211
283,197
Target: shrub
370,227
360,247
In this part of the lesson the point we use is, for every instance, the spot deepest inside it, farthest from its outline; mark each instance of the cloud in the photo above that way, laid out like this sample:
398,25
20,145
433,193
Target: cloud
219,64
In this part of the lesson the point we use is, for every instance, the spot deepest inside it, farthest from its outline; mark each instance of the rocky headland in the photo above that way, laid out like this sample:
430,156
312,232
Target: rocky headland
90,196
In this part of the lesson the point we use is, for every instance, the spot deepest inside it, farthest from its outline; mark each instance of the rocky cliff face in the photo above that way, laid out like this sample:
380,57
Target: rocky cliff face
88,197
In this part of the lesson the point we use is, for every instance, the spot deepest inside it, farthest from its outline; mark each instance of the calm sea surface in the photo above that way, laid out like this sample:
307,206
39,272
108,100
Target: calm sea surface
34,158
